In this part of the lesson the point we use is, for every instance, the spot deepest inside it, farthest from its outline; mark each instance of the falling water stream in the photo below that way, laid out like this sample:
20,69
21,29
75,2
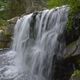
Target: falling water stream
35,42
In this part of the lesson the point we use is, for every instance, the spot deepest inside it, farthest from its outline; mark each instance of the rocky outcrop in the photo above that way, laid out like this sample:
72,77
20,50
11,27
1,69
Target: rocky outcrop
5,39
6,33
12,22
20,7
64,67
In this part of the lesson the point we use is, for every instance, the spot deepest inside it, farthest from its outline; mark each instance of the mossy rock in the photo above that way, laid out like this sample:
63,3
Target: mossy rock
5,39
76,74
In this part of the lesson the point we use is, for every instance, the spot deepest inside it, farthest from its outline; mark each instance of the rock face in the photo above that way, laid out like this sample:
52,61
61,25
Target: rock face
1,38
65,66
12,22
35,5
4,39
20,7
1,34
7,33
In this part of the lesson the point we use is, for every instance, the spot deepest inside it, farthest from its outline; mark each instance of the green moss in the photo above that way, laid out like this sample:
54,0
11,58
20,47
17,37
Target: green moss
3,14
3,9
76,73
3,22
74,8
74,4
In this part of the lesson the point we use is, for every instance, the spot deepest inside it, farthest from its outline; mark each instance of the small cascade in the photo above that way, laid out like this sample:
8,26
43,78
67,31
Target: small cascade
37,39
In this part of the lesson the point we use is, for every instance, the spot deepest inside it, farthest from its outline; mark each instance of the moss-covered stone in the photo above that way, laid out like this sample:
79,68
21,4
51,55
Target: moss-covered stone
5,37
76,73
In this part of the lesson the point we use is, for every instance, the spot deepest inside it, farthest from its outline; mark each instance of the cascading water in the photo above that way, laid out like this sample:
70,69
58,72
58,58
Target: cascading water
35,44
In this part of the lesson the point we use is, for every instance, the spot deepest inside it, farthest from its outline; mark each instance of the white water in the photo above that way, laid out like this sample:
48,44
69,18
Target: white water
34,45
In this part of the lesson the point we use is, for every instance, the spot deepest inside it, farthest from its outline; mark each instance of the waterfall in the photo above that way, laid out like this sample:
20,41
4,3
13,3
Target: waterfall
35,43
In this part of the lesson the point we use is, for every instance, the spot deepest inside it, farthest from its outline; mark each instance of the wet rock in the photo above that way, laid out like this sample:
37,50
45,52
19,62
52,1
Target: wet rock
7,33
5,39
10,27
1,38
65,66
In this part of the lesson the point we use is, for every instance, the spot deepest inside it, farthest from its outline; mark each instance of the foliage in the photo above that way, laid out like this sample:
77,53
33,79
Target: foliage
74,4
3,22
74,8
76,73
3,9
3,12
